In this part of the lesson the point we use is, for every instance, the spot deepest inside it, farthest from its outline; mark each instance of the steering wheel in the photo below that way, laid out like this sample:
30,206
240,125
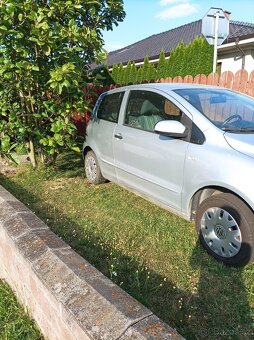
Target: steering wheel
230,119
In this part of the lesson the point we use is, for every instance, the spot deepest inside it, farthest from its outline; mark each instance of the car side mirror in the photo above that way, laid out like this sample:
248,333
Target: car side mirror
171,128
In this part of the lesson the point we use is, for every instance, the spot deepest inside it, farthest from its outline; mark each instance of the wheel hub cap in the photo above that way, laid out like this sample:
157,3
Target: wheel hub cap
221,232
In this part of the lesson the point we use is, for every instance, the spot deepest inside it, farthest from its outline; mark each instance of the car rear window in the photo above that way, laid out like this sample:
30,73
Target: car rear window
110,106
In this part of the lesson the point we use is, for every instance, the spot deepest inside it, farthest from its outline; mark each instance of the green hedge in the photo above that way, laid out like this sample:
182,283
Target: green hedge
193,59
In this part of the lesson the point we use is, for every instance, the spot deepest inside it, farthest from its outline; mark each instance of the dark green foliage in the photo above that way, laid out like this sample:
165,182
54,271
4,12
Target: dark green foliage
114,73
139,75
103,75
170,63
178,60
161,67
190,65
133,74
127,74
193,59
152,73
120,75
145,70
206,58
196,54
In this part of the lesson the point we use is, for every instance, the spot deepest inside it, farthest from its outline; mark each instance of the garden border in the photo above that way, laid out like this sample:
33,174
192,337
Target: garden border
66,295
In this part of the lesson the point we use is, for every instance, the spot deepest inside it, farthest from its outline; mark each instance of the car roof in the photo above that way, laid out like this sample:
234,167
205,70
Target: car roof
166,87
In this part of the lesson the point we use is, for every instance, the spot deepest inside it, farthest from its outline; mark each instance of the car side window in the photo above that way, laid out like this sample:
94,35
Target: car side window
110,106
145,109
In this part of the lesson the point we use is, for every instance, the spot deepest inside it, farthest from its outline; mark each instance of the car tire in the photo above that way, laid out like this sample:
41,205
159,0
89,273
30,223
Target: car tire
92,169
225,227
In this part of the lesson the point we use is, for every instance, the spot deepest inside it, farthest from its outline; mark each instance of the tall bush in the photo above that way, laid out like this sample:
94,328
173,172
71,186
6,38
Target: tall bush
162,66
178,60
133,73
127,74
45,49
145,68
195,58
120,76
114,73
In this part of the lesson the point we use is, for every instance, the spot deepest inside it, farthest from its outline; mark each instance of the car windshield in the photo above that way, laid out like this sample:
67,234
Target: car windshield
228,110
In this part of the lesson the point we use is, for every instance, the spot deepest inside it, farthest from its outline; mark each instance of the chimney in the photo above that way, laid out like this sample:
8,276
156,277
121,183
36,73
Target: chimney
227,14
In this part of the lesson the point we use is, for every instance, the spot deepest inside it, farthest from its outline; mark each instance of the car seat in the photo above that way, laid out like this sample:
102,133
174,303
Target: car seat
149,116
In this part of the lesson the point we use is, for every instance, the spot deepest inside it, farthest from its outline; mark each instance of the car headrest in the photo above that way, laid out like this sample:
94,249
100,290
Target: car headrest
148,108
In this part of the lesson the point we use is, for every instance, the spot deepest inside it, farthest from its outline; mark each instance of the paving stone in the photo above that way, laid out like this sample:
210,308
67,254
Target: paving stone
51,240
101,308
21,223
31,246
6,195
15,209
33,221
17,206
58,277
6,211
15,226
106,311
82,268
150,328
100,318
115,295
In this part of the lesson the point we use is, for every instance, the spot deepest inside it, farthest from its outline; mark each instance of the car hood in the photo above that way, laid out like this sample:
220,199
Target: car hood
242,142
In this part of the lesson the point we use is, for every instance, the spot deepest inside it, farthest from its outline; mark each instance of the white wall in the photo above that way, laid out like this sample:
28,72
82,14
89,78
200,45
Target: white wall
231,58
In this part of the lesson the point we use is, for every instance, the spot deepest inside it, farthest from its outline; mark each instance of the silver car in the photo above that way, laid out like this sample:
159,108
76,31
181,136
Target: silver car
188,148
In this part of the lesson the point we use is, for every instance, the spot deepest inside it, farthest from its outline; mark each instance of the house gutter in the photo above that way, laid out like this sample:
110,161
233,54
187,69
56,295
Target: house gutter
239,45
242,52
233,44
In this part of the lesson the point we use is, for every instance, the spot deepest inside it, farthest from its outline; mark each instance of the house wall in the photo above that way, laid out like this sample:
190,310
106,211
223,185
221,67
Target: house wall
232,60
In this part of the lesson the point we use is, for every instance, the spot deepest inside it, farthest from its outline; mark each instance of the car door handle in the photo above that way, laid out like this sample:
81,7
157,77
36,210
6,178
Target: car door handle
119,136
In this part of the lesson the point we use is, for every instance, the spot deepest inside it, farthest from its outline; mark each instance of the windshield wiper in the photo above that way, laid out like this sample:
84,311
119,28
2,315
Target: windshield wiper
243,129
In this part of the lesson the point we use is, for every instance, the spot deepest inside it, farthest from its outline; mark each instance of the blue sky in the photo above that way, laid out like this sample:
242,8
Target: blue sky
147,17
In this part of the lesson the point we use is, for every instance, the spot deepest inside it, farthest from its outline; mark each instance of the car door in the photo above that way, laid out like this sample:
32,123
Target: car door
101,131
146,161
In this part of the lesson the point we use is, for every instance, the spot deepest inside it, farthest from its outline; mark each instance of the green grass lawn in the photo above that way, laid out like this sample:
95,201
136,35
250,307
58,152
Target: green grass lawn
15,324
151,253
